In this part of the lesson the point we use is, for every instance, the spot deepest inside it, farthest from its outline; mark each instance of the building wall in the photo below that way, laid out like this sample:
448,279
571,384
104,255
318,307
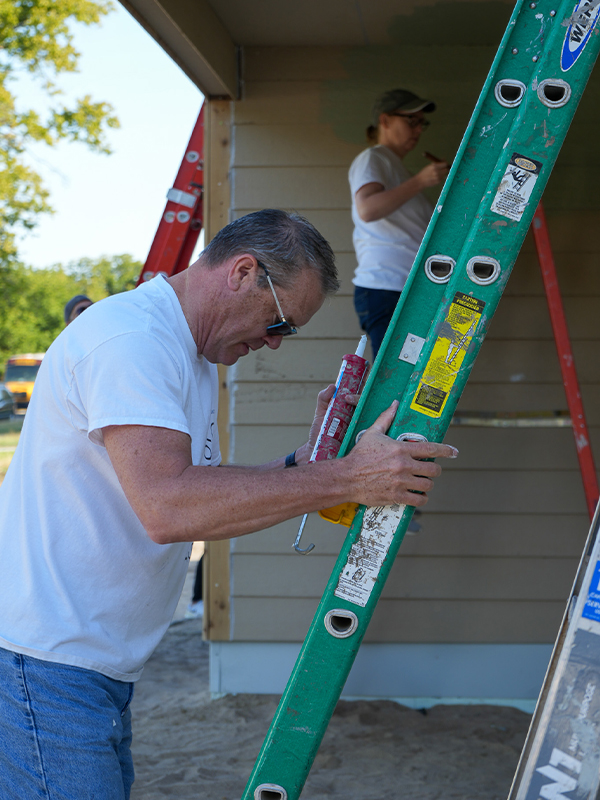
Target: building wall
504,528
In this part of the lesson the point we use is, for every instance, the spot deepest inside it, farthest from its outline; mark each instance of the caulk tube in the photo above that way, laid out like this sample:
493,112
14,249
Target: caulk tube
339,411
337,417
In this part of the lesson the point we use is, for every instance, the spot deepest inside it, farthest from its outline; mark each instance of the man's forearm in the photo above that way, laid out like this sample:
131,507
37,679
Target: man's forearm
207,503
178,502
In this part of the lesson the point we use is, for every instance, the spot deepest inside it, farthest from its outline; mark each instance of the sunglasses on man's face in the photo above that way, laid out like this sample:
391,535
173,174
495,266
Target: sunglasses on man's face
283,327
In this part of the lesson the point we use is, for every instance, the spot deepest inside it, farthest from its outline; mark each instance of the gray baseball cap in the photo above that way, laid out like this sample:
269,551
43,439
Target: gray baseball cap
400,100
79,298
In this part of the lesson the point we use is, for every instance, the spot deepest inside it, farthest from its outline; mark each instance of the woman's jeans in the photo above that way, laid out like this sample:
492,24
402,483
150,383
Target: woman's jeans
65,732
375,308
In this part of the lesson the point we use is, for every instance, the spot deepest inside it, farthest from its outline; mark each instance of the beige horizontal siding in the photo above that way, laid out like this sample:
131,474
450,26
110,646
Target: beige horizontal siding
415,578
502,533
510,361
508,535
409,621
548,449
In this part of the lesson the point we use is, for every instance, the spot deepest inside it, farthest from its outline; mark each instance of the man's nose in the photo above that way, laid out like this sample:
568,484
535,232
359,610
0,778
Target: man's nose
273,341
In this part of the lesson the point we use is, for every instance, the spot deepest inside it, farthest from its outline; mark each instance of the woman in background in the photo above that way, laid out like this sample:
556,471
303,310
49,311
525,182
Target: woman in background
389,212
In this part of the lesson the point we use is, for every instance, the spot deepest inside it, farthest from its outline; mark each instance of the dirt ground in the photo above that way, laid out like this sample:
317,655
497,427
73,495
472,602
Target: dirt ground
189,746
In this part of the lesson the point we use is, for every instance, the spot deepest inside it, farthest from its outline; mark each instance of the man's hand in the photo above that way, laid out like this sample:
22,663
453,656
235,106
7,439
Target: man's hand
304,453
386,471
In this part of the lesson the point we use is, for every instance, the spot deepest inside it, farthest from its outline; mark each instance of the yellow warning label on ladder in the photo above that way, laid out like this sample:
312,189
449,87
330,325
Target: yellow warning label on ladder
447,355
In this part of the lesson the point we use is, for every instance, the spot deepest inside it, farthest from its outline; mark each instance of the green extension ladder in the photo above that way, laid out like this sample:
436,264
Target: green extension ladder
482,216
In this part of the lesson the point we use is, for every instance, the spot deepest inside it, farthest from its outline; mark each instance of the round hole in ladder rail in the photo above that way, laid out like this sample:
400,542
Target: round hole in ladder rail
439,268
341,623
411,437
554,92
509,93
270,791
483,270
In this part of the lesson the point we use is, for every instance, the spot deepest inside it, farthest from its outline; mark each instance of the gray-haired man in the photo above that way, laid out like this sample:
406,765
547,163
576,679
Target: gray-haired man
115,475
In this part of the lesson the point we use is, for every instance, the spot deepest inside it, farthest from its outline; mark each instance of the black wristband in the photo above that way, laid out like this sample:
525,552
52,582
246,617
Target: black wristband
290,461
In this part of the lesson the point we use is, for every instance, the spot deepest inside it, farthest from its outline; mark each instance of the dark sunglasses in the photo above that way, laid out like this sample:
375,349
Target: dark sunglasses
282,328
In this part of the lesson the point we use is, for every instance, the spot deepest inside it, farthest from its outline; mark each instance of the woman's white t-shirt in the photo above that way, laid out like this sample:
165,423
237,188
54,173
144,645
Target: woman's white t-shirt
386,248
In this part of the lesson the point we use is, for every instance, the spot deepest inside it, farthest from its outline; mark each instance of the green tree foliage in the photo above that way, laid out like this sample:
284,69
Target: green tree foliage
35,38
34,316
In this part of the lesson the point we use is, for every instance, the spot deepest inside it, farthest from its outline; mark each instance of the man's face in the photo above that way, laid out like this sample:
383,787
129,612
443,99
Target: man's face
245,329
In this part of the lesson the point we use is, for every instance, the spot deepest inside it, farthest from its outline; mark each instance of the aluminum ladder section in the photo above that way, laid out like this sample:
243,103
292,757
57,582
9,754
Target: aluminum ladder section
182,219
484,211
561,755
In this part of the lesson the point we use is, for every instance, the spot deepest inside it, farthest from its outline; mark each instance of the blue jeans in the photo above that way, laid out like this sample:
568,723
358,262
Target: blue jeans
65,732
375,308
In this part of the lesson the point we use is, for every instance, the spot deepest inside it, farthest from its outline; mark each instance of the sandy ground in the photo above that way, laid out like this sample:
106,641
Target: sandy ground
189,746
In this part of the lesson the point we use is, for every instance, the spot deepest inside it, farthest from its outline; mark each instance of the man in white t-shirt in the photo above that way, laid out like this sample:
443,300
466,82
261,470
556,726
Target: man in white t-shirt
115,475
389,212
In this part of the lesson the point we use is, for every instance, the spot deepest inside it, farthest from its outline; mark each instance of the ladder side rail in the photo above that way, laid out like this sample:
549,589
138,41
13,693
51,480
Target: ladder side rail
534,726
297,729
191,238
182,200
566,359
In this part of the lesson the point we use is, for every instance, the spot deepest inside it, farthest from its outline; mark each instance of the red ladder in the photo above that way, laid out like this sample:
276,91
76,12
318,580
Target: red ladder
566,360
182,219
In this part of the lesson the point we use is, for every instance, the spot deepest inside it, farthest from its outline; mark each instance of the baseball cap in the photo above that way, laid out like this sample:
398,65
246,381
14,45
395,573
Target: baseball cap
400,100
79,298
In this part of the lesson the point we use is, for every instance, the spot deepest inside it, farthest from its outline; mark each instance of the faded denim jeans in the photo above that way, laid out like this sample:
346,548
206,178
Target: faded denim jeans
65,732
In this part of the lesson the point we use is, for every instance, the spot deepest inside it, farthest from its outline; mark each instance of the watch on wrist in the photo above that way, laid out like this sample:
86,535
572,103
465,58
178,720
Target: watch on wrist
290,461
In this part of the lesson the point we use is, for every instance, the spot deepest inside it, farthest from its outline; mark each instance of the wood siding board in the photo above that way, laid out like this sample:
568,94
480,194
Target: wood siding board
528,397
549,450
517,491
289,187
292,402
409,621
414,577
532,361
521,317
463,534
286,145
529,361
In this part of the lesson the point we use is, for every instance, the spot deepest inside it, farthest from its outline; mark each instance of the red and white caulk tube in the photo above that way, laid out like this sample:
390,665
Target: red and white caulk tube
337,417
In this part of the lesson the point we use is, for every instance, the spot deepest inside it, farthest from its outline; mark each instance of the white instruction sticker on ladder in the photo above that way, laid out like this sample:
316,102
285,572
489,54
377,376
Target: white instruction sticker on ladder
516,187
368,553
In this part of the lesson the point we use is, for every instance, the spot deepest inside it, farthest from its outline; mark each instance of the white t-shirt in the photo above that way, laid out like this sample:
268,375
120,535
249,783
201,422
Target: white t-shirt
385,249
81,582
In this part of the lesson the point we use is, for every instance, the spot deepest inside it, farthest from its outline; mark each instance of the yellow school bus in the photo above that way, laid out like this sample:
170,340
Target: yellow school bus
19,376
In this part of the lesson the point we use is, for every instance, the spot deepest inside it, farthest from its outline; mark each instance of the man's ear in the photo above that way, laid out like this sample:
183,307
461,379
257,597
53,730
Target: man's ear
242,272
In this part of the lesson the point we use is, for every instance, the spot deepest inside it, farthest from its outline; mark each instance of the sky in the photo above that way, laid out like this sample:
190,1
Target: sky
108,205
